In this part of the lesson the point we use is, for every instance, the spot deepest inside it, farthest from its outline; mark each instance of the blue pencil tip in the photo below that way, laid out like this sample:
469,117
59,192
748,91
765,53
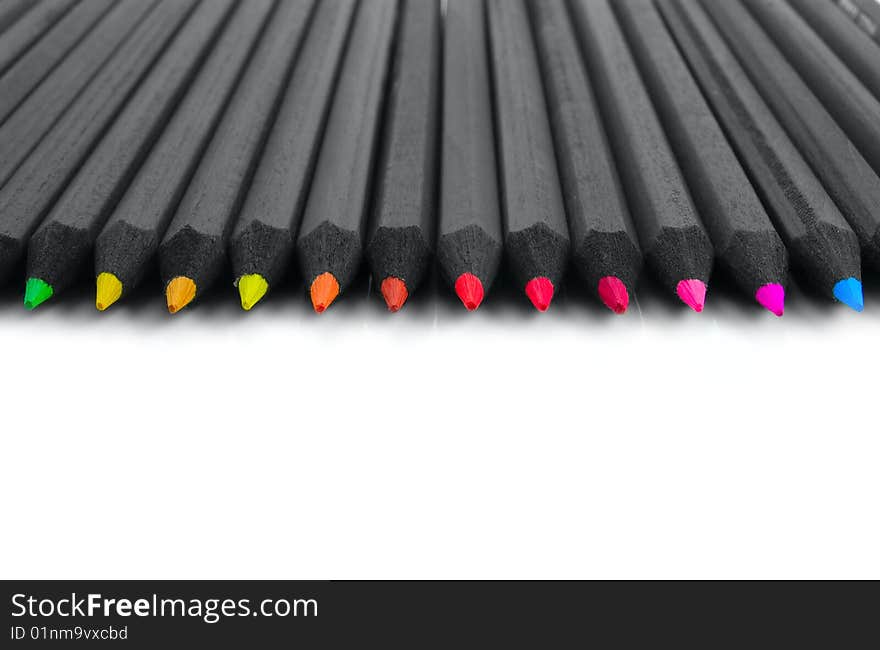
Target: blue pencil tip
849,292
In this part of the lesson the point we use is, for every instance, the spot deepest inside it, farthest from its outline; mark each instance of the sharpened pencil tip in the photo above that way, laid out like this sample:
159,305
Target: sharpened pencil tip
395,293
108,289
179,293
323,291
251,288
540,292
849,292
772,297
692,293
469,290
612,292
36,292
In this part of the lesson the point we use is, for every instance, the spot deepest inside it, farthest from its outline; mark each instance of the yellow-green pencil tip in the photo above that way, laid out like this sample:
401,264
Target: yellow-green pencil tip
251,288
109,290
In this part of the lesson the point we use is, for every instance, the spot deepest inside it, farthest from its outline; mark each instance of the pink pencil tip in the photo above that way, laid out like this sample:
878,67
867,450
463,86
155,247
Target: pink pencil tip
540,292
772,297
692,293
469,290
612,292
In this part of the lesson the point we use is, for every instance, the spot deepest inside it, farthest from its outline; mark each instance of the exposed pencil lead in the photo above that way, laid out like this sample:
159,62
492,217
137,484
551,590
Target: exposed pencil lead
108,290
469,290
179,293
323,291
849,292
36,292
613,293
251,288
692,293
395,293
540,292
772,297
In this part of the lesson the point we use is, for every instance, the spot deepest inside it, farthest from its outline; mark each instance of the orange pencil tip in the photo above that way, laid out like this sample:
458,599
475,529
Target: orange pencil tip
323,291
179,293
395,293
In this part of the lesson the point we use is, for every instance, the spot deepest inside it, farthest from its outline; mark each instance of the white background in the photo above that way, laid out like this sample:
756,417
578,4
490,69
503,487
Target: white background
439,444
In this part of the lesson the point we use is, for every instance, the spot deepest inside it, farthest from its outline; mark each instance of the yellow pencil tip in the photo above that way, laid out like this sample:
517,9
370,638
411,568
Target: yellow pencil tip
109,290
179,293
251,288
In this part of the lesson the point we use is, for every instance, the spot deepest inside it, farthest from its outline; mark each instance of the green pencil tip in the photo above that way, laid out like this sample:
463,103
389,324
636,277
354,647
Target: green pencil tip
36,292
251,288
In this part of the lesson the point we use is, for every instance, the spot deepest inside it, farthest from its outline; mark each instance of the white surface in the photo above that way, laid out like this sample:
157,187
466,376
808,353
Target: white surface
572,444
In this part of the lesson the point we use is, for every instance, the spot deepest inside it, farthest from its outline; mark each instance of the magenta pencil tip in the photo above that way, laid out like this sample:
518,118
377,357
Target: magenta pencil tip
612,292
692,293
772,298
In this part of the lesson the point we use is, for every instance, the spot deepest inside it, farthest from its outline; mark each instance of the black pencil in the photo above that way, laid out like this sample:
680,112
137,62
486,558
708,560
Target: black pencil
846,98
844,172
27,72
865,14
535,229
400,239
605,246
11,11
262,242
673,240
60,246
18,38
126,247
469,239
850,43
330,242
193,250
746,245
41,177
23,129
821,244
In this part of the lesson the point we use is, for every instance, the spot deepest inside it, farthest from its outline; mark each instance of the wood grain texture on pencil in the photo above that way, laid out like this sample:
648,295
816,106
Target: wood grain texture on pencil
469,244
262,242
38,181
673,240
400,237
821,244
836,160
535,229
127,245
331,239
746,244
193,250
60,246
605,245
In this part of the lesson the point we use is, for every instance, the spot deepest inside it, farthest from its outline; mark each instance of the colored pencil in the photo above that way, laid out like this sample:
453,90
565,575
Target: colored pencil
746,245
11,11
60,246
605,245
850,43
535,230
821,244
469,243
26,73
835,159
262,242
330,242
34,186
846,99
193,251
23,129
865,14
673,239
17,39
126,247
400,239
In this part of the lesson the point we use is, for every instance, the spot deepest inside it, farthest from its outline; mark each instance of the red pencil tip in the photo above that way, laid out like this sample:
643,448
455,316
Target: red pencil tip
469,290
613,293
692,293
395,293
540,292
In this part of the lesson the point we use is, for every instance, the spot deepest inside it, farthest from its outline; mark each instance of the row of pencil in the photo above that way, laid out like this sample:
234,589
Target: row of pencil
602,135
